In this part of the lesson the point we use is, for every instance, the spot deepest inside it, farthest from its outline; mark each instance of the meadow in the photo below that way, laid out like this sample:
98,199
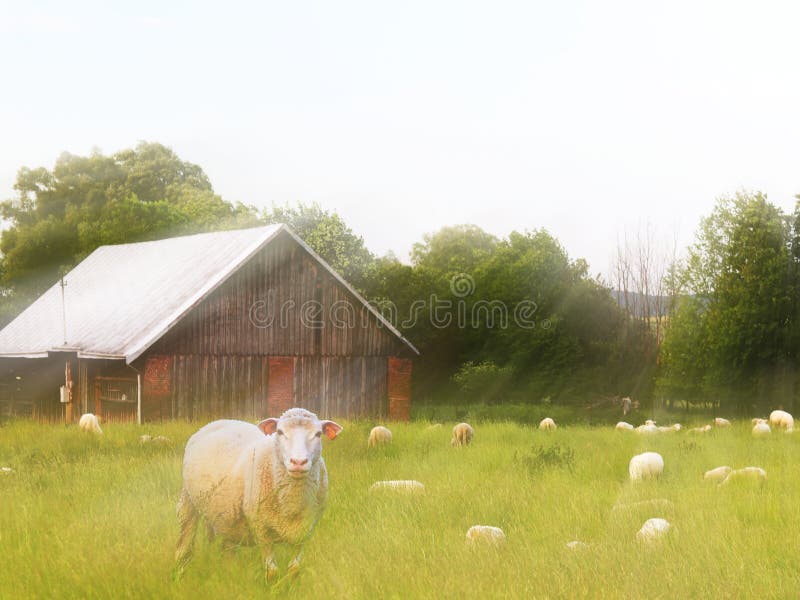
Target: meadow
86,516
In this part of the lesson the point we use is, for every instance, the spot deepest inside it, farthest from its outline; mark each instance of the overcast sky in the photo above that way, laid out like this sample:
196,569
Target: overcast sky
585,118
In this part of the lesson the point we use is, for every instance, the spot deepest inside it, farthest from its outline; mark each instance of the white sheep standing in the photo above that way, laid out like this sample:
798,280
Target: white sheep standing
752,474
653,529
486,534
547,424
781,419
761,428
646,466
623,426
89,422
262,484
378,436
717,475
400,485
462,435
720,422
648,427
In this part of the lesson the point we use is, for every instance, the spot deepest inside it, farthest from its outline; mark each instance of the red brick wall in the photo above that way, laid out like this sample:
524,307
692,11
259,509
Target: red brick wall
399,389
280,390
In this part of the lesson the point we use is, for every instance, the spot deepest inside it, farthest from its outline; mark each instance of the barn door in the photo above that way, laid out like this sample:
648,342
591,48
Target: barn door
280,386
399,389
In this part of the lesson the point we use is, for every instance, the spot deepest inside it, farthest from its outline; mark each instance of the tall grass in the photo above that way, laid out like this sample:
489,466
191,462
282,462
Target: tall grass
94,517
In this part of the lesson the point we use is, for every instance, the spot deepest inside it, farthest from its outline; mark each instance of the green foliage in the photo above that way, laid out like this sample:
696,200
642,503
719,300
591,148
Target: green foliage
542,458
734,339
60,216
483,382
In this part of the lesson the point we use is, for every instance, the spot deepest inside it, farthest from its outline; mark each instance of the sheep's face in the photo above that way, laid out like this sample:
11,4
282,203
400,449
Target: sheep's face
298,439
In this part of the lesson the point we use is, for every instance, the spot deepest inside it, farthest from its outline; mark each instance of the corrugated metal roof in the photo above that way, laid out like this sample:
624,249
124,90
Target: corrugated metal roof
122,298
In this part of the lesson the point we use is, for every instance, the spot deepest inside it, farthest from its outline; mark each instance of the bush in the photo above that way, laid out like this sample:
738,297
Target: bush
484,382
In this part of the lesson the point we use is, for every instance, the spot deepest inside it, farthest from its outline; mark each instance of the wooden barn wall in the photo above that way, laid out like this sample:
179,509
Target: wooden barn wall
274,288
213,386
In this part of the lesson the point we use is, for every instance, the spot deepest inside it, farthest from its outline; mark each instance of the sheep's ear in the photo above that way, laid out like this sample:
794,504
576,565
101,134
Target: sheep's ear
331,429
268,426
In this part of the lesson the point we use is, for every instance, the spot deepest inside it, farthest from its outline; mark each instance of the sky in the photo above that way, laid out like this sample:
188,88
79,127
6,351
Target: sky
588,119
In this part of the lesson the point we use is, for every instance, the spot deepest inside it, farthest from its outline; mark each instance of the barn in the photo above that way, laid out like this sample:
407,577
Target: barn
242,323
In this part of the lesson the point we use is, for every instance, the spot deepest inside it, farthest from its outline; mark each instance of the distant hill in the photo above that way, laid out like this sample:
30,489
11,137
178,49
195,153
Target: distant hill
640,304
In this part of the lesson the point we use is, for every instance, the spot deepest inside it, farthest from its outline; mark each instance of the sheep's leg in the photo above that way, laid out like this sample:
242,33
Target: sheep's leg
187,518
294,564
268,556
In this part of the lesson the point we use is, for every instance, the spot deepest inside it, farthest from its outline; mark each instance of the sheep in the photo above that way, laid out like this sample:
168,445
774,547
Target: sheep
717,475
781,419
720,422
623,426
486,534
462,435
90,423
262,484
703,429
547,424
653,529
401,485
671,428
761,429
379,436
648,427
6,470
645,466
753,474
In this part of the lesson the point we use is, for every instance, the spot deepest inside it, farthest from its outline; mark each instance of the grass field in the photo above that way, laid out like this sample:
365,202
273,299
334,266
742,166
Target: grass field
94,517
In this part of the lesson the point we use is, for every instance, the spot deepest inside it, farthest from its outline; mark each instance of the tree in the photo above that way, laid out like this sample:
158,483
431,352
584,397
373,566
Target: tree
741,274
60,216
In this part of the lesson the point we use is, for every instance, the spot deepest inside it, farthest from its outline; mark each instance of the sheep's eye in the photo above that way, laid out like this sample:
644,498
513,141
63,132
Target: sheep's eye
318,434
280,432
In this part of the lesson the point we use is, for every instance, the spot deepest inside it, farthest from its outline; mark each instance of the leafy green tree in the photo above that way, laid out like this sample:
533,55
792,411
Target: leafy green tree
60,216
742,275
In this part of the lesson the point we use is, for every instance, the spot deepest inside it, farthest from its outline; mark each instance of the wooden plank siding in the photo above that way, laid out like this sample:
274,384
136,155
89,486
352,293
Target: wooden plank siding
221,358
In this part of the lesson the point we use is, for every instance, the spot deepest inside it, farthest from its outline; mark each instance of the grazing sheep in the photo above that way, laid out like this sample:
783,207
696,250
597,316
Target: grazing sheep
761,429
462,435
653,529
378,436
6,470
646,466
752,474
648,427
703,429
262,484
623,426
90,422
720,422
717,475
781,419
547,424
400,485
485,534
671,428
577,545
